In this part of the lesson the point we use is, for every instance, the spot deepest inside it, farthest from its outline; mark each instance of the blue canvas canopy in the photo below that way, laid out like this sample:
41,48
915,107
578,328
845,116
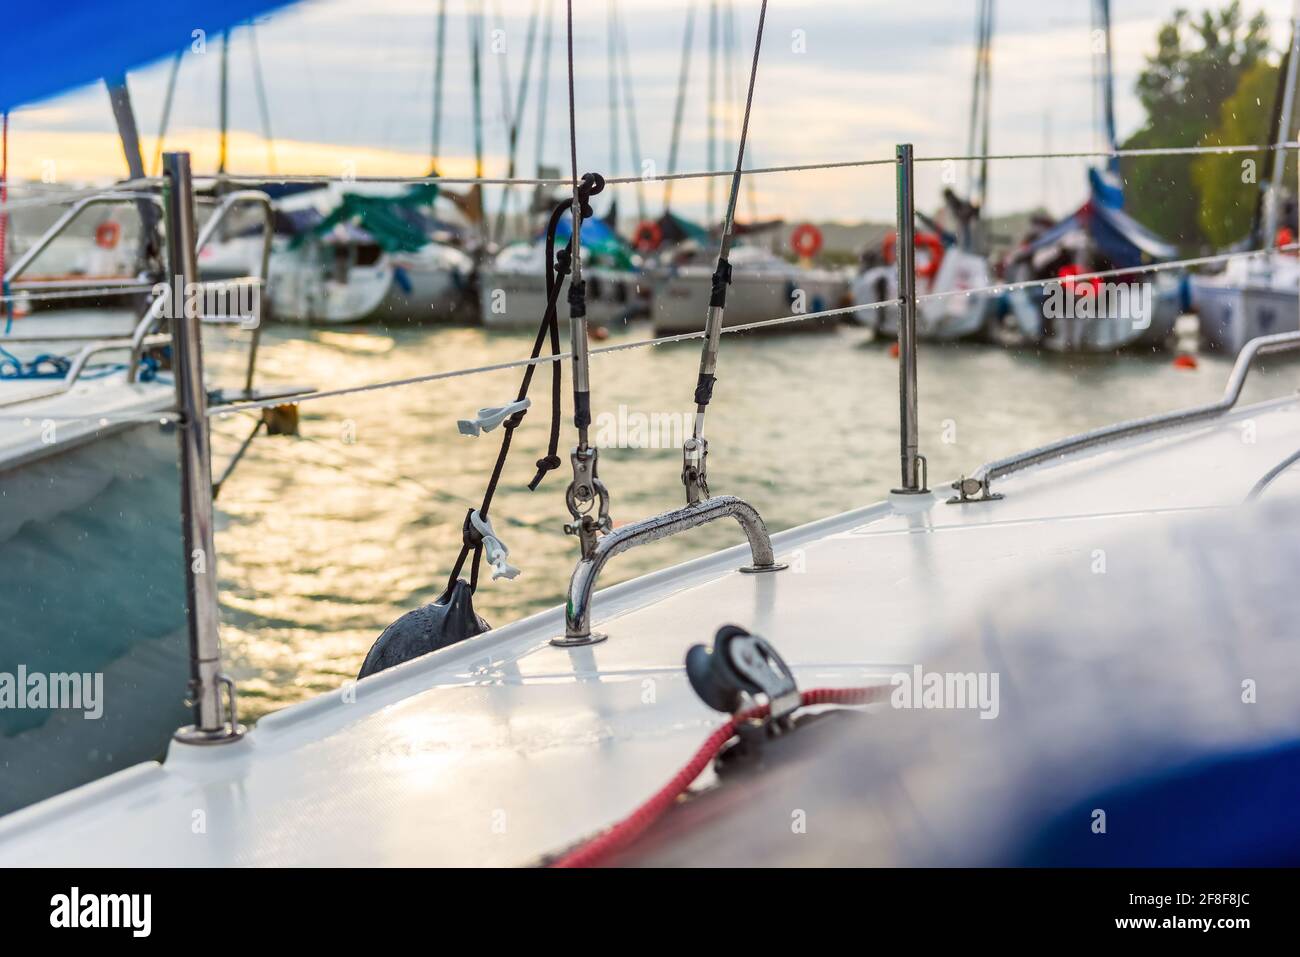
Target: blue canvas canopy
47,48
598,237
1115,235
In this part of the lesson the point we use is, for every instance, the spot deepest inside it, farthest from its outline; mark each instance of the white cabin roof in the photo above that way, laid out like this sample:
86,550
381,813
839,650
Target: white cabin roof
503,748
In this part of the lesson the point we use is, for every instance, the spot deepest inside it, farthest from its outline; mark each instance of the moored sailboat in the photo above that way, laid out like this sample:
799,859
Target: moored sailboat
810,689
1257,296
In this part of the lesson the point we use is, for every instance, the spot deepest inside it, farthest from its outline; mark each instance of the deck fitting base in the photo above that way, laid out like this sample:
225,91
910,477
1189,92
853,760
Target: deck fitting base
192,735
578,641
759,569
990,497
973,490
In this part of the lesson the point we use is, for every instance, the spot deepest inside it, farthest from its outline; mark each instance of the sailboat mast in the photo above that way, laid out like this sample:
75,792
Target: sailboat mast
475,16
166,112
977,133
440,46
986,106
516,116
681,104
119,98
1271,204
712,101
611,61
223,103
262,104
543,85
633,136
1106,80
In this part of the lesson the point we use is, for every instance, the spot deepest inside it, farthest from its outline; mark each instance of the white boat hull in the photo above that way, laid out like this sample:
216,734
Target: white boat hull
963,315
681,299
1107,332
1231,314
511,299
429,285
90,546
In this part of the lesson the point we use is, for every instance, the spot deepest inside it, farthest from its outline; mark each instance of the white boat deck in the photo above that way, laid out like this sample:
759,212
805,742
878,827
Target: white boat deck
35,423
503,748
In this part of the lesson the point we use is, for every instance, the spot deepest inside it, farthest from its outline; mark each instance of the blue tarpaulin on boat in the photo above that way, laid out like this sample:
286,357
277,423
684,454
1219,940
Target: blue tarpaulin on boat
1107,188
598,238
48,48
594,231
1116,235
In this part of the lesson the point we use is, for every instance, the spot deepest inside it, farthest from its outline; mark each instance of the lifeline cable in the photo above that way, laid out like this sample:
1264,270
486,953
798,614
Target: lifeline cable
256,179
591,852
257,404
251,179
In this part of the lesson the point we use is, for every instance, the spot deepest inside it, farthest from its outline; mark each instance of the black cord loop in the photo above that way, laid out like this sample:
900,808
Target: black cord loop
558,265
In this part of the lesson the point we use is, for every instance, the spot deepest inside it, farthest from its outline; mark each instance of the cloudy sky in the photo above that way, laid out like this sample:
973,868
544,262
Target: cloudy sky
349,86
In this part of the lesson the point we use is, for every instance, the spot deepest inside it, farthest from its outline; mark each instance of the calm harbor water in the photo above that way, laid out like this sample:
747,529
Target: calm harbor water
325,539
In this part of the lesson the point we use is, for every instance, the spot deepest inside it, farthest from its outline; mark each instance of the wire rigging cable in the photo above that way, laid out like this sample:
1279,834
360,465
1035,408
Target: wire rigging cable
680,106
587,499
696,450
251,179
555,359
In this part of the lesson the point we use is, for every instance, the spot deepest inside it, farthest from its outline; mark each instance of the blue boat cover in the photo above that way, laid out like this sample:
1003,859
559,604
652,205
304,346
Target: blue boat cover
597,237
48,48
1117,236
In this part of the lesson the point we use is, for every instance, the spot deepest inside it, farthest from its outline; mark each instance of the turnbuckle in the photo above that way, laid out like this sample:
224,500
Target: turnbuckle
587,493
695,455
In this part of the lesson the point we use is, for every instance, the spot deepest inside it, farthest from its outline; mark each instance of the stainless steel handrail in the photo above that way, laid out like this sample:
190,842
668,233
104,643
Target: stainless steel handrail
142,330
114,284
228,203
59,225
1271,475
79,366
577,614
975,488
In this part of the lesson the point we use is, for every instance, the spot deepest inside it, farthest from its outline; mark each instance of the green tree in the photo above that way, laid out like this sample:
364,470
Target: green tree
1228,185
1197,66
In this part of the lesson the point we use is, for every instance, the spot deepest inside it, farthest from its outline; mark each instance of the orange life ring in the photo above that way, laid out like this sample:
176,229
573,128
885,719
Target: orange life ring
806,240
648,236
927,241
107,234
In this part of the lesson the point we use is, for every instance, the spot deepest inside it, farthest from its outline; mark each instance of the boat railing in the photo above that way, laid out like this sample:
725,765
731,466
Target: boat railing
913,468
80,363
213,693
145,333
582,585
976,487
53,287
224,208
